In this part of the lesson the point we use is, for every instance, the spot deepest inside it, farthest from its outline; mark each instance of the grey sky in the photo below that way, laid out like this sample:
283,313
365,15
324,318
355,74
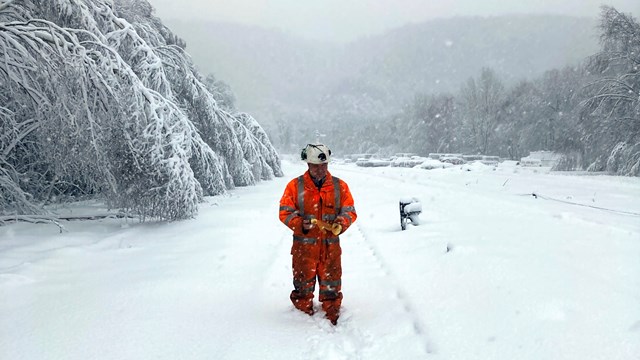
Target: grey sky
345,20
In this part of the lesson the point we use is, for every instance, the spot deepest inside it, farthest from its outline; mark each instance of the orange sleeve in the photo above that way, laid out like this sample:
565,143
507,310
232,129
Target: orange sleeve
347,208
289,212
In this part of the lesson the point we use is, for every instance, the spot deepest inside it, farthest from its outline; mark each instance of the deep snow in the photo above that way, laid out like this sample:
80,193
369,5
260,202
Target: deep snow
492,272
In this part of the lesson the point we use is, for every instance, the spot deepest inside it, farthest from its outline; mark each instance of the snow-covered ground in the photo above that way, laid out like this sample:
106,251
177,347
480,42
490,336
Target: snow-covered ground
491,273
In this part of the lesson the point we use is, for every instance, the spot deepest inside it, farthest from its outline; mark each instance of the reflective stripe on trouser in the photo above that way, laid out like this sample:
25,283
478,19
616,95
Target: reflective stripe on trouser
304,287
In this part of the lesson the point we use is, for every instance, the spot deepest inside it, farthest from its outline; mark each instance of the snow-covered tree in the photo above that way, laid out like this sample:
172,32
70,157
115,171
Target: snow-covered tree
259,154
96,105
612,121
221,92
481,103
517,129
432,125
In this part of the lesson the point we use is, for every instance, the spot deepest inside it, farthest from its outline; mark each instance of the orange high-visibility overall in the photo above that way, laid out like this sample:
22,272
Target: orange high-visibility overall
316,253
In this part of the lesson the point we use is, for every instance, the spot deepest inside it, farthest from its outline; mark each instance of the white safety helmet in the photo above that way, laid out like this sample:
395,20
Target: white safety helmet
316,154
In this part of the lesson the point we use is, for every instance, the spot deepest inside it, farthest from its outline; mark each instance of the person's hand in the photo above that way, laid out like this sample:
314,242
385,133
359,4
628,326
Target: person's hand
307,224
340,220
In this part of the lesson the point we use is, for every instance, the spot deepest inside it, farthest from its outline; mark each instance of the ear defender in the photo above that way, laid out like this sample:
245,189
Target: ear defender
303,154
323,157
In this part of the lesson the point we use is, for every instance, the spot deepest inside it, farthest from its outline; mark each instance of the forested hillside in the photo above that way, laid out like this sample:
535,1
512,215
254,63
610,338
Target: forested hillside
497,86
279,75
99,100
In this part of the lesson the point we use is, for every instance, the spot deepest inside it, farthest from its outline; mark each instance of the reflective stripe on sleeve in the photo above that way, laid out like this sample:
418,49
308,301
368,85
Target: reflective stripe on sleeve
287,208
291,216
344,212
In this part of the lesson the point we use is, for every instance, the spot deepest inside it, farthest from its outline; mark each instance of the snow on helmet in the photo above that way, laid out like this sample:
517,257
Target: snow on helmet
316,154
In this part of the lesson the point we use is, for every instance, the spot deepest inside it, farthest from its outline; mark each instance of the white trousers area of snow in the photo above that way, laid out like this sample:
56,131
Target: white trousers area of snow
492,272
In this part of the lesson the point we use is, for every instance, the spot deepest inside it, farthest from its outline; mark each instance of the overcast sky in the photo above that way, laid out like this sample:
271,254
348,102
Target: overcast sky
345,20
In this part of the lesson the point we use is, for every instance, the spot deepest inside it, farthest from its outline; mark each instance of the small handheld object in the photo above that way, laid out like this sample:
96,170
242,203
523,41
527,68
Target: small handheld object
336,229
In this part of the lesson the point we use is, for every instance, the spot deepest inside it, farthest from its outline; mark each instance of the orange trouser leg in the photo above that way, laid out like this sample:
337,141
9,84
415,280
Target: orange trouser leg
304,283
330,276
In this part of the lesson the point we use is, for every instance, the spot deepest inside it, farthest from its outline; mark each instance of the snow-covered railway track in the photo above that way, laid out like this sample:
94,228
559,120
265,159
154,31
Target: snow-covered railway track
366,258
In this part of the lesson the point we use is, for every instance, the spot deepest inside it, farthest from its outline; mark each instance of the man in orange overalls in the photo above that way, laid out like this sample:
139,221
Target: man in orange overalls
317,207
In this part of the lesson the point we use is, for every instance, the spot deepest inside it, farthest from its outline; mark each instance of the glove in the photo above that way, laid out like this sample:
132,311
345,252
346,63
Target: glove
340,220
307,224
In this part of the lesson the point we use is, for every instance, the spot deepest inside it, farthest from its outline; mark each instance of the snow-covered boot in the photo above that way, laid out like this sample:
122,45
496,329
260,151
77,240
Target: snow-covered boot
303,304
333,317
332,313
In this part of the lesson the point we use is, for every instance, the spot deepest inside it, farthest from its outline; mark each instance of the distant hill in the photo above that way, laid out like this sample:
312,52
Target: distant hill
260,65
439,55
270,69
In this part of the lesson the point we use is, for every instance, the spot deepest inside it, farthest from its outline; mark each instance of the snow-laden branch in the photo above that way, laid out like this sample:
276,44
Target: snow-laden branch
5,4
